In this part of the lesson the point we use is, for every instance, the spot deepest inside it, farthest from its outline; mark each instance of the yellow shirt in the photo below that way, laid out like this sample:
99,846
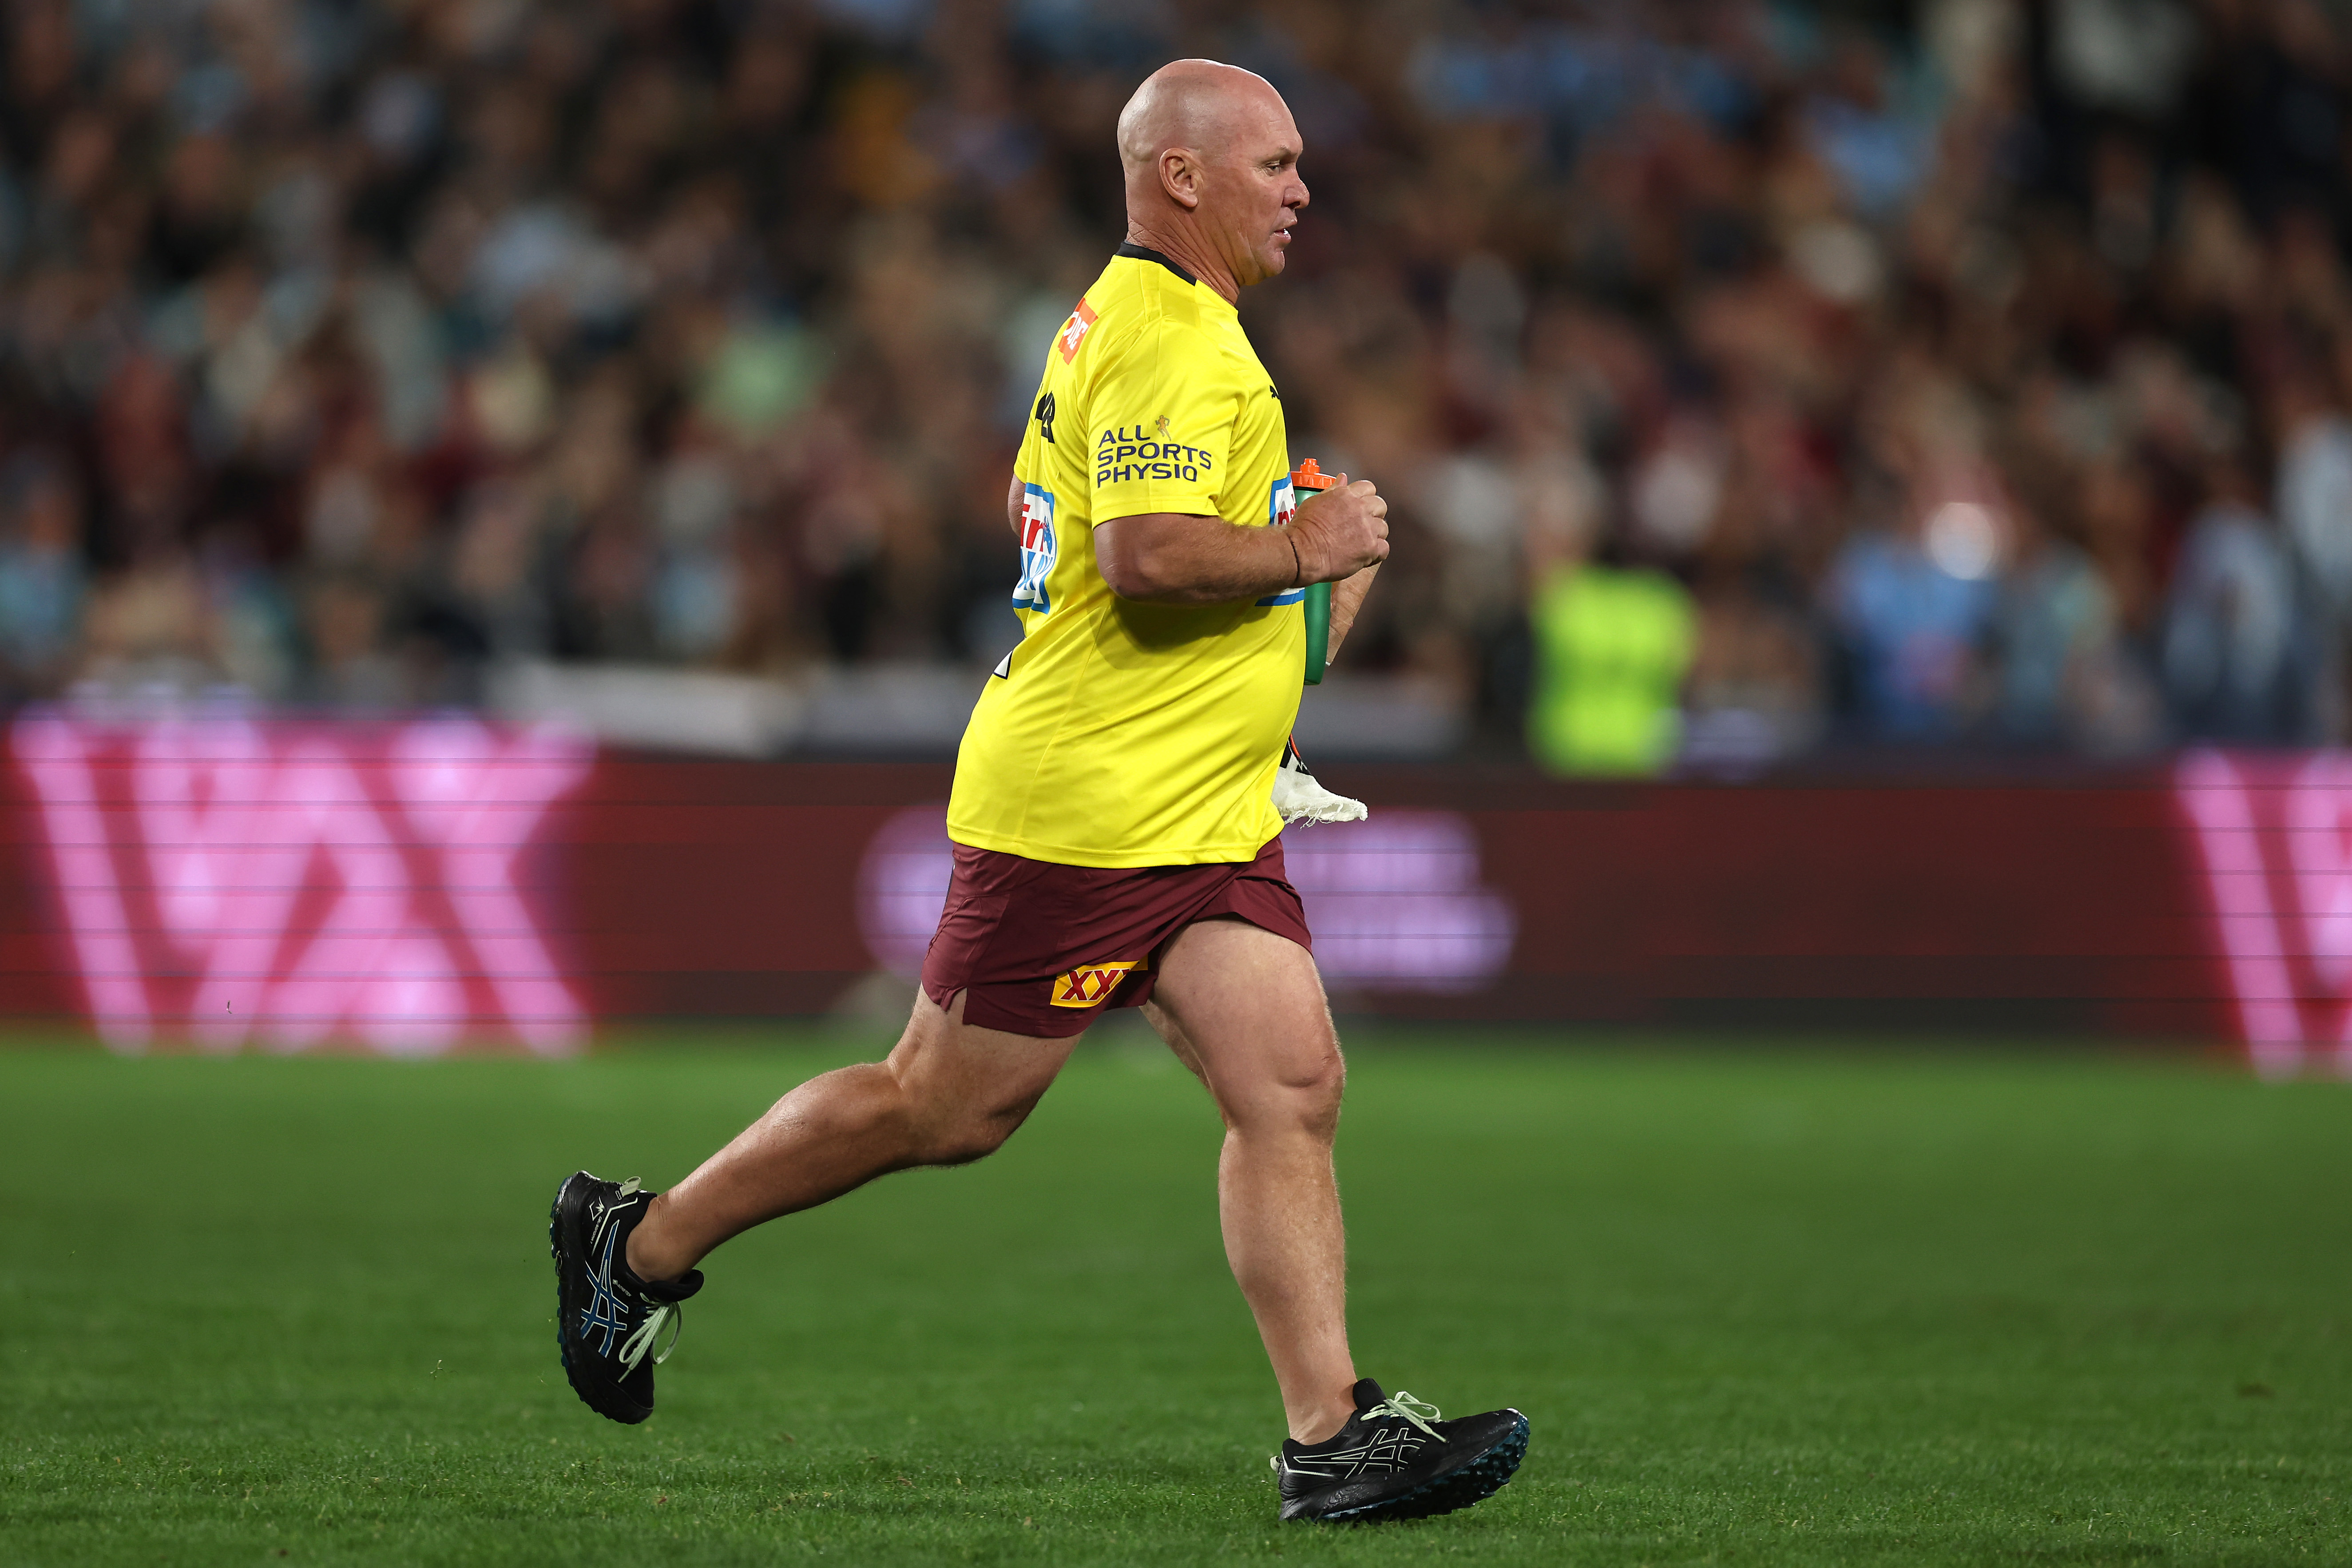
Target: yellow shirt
1120,734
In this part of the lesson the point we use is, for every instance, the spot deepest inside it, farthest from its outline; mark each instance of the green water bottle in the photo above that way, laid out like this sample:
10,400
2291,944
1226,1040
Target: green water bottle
1307,477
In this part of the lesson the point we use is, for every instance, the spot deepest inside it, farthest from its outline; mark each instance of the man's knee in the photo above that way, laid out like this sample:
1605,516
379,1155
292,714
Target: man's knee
962,1092
1319,1092
961,1139
948,1121
943,1120
1297,1094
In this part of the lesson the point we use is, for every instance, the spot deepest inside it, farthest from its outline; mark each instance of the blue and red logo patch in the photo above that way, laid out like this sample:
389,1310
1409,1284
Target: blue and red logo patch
1037,549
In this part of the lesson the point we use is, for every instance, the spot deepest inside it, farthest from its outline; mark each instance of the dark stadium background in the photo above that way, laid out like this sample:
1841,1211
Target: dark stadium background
500,530
1872,485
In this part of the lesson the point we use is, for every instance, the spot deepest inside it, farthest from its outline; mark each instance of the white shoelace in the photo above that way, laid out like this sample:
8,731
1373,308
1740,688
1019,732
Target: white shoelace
1405,1407
1401,1405
663,1314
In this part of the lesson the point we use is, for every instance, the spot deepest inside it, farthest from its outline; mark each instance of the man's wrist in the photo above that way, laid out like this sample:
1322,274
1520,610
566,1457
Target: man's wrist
1297,566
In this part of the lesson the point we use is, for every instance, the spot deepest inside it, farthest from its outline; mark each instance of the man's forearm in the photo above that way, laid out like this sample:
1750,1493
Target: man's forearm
1347,599
1197,561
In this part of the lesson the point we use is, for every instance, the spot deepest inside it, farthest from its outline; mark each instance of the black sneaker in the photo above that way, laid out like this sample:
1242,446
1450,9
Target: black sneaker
606,1319
1395,1458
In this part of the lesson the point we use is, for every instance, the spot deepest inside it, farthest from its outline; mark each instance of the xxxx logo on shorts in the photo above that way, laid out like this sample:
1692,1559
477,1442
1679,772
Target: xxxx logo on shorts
1090,985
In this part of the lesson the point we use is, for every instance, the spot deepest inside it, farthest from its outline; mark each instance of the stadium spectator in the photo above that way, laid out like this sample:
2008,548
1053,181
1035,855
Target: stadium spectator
2066,675
1612,644
2231,659
41,577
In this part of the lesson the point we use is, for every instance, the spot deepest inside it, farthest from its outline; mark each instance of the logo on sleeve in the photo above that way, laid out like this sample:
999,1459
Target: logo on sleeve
1045,416
1037,551
1281,506
1073,330
1091,987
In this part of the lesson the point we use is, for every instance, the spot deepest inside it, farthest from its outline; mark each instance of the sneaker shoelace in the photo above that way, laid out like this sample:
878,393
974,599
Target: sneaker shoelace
663,1314
1405,1407
1401,1407
671,1315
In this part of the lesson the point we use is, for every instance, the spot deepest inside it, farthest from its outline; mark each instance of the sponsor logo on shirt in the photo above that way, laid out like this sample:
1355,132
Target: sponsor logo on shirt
1087,987
1281,506
1073,330
1037,550
1151,457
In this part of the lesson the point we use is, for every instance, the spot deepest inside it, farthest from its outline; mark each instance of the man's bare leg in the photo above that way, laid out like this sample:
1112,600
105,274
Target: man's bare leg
1244,1009
949,1092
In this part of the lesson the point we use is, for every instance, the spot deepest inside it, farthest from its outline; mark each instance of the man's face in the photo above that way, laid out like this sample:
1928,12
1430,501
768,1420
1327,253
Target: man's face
1252,193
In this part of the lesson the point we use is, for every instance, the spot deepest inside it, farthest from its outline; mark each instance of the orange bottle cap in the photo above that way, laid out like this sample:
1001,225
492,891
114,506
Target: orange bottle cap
1309,476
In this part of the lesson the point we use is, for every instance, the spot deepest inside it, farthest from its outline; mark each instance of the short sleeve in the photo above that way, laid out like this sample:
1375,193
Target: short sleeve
1160,423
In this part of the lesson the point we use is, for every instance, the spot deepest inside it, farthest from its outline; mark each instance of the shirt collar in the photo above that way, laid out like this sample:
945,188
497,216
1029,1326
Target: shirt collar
1144,253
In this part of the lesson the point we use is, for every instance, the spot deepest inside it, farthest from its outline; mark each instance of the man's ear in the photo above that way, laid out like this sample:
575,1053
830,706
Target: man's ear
1179,176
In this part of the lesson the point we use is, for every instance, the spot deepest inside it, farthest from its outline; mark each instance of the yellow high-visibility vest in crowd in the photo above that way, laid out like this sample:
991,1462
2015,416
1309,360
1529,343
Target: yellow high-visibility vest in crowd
1612,648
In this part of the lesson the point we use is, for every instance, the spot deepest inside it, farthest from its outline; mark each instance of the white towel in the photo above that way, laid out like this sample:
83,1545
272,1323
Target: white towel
1298,798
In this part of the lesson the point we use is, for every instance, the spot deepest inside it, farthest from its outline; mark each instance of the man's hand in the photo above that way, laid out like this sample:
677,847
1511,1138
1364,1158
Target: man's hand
1340,532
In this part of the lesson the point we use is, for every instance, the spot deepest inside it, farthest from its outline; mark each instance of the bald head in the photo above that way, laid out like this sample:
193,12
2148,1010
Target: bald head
1212,160
1196,105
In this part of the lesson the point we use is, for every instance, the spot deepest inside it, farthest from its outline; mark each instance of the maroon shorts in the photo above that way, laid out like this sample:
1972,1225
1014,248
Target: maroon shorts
1044,949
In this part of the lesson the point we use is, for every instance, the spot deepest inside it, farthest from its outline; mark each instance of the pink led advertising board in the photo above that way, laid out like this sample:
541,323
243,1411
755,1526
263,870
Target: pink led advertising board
224,881
228,883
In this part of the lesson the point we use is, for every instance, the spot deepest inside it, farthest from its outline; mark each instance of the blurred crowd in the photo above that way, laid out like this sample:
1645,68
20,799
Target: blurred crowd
1748,378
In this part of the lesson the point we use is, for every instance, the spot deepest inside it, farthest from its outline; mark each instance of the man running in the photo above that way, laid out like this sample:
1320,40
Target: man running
1116,844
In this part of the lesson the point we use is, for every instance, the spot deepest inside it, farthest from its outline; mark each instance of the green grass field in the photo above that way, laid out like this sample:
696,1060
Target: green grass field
1762,1306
